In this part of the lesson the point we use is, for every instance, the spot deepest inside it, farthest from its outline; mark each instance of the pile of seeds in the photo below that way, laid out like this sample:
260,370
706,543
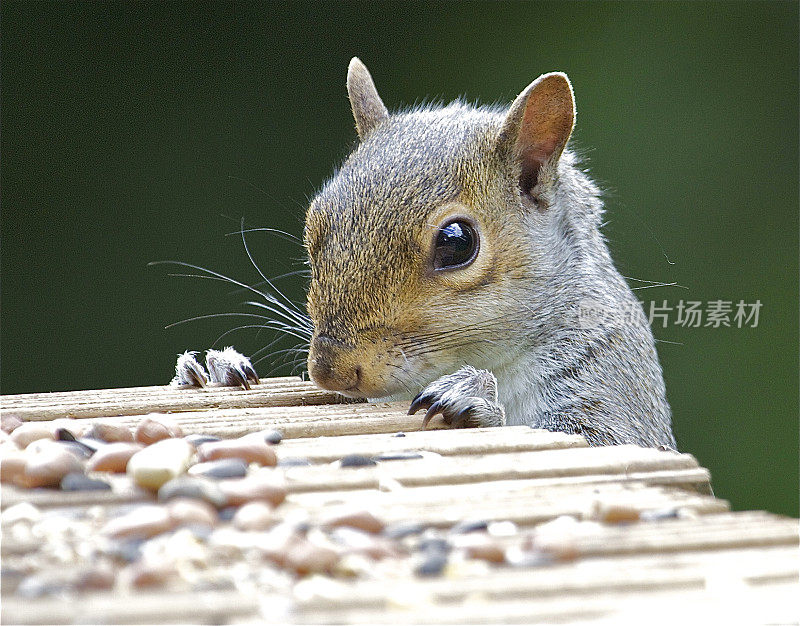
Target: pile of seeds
209,514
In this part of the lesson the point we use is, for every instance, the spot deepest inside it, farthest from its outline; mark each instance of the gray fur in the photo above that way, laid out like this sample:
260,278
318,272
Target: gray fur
382,321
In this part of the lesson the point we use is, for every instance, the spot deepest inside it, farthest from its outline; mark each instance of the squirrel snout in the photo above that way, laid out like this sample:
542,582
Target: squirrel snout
332,366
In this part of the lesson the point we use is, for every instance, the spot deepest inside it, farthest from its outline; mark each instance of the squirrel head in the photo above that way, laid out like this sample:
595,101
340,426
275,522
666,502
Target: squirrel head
420,242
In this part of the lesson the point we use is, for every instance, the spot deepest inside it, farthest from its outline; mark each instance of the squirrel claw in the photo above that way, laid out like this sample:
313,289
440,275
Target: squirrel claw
420,401
433,409
235,378
230,369
250,373
467,398
188,372
226,368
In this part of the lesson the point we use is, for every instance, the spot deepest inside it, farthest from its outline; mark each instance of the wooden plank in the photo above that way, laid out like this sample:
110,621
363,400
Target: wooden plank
469,495
631,573
558,589
774,605
445,507
84,396
143,607
705,533
122,492
629,580
306,421
447,443
524,507
685,480
659,537
312,420
489,467
143,400
695,480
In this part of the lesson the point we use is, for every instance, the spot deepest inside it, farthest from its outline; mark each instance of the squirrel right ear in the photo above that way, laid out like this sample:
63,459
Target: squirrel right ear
368,108
538,125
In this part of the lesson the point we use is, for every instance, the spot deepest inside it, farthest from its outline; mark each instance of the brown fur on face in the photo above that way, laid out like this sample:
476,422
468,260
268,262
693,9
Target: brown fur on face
375,300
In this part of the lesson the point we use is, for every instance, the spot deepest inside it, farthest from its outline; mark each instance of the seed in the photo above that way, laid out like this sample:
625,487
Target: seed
92,444
109,432
141,523
360,519
76,481
360,542
160,462
23,512
76,448
613,513
652,515
113,457
254,516
25,434
150,430
306,558
12,465
125,550
42,584
401,530
432,564
186,512
248,449
142,575
192,487
257,486
269,436
196,440
483,547
356,460
433,544
469,526
9,422
222,468
48,466
95,578
75,427
273,436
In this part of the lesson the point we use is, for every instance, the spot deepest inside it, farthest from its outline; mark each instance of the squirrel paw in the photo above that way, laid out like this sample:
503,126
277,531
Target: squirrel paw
466,399
226,368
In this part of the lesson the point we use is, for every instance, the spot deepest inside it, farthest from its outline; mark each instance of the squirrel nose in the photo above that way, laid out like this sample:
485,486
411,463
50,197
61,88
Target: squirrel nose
331,365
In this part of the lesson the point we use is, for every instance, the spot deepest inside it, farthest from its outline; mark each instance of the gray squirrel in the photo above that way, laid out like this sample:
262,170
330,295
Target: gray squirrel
454,257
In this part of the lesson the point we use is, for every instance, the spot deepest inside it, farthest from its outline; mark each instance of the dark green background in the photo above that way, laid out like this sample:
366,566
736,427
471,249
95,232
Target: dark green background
134,132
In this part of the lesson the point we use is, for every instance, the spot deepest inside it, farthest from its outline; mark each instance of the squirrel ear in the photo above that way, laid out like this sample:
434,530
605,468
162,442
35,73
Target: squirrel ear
368,108
538,125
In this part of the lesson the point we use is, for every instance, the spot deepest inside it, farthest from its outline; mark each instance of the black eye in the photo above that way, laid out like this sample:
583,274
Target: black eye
456,245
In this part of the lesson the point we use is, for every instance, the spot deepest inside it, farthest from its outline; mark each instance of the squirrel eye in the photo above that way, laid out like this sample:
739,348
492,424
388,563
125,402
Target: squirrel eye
456,245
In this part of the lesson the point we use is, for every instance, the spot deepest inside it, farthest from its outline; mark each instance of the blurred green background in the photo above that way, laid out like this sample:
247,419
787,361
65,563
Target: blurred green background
134,132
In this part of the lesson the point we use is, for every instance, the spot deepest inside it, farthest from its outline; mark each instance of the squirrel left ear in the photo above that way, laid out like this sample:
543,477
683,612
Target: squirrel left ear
538,125
368,108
